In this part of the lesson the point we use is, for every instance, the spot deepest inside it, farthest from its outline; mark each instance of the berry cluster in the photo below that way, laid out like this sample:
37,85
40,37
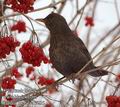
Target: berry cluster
8,83
22,6
20,26
32,54
113,101
7,45
89,21
15,73
45,81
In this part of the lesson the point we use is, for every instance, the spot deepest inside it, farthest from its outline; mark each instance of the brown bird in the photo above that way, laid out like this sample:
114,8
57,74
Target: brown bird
67,52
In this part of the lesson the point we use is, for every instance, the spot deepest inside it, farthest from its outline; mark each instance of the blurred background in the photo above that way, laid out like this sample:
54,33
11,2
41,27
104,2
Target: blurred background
102,39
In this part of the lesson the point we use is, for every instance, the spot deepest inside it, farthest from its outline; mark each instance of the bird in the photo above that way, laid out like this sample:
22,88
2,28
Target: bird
67,52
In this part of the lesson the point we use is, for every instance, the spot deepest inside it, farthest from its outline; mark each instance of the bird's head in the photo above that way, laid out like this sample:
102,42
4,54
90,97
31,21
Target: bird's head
55,23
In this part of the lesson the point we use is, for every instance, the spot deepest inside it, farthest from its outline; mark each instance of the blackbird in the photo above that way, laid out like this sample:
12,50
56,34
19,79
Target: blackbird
67,52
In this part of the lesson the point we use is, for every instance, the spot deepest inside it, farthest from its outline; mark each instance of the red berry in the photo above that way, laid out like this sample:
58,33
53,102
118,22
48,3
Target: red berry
50,81
42,80
89,21
29,70
49,105
118,78
113,101
45,81
20,26
32,54
15,73
7,45
8,83
22,6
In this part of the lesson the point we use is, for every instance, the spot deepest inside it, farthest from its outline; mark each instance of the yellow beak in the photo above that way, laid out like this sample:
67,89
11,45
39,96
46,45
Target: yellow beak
41,20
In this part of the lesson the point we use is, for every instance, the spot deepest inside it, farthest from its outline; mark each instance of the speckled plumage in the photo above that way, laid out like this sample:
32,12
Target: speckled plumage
68,53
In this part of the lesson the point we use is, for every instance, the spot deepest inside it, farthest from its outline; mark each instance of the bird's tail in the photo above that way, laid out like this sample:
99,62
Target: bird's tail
99,72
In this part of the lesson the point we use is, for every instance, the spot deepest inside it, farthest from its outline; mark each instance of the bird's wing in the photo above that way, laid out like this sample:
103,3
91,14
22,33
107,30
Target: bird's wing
82,47
76,50
74,47
69,54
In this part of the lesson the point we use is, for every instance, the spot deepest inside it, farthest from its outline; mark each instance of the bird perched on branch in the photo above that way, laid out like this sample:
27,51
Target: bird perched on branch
68,53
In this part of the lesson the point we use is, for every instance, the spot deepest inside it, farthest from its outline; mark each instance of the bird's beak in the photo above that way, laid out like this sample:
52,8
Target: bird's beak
41,20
